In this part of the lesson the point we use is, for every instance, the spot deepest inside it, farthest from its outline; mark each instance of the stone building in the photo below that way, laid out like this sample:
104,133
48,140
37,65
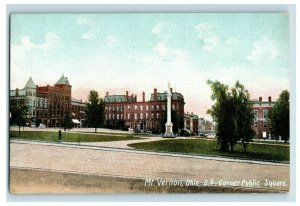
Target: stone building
29,96
191,123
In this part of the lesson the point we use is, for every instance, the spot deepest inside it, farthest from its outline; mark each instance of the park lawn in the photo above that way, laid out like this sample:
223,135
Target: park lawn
210,147
68,137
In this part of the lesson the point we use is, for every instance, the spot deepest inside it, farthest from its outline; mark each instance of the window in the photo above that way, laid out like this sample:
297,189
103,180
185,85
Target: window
255,123
158,98
135,107
121,116
265,114
109,108
157,107
255,114
141,116
141,107
157,115
152,107
114,99
108,99
147,107
128,108
173,107
118,108
109,116
265,124
117,116
128,116
147,115
135,116
163,107
120,100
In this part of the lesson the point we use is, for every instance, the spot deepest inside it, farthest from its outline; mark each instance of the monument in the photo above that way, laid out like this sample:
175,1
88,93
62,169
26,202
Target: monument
169,125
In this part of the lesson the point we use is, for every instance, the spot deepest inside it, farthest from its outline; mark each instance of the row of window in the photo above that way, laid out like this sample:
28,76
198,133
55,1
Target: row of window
132,116
265,114
136,107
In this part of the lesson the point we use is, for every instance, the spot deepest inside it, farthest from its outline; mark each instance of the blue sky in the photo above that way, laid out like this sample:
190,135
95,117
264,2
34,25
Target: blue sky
139,52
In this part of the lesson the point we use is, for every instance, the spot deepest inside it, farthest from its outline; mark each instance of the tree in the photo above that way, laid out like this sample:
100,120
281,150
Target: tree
67,123
279,117
18,114
95,110
232,113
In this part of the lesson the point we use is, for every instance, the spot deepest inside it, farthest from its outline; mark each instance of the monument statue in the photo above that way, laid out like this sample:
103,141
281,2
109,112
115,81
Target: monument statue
169,125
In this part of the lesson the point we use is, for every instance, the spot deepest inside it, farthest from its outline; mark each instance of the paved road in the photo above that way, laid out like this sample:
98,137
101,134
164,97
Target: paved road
142,165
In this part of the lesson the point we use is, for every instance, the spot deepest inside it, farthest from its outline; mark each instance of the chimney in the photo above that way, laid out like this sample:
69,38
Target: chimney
270,99
155,94
171,90
143,96
134,98
126,96
260,100
106,93
17,92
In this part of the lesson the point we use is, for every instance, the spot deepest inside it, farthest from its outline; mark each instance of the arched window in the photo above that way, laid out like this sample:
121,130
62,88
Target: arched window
120,100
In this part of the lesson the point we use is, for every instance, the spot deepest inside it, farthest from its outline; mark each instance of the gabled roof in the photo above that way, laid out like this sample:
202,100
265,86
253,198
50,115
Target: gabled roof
30,84
63,80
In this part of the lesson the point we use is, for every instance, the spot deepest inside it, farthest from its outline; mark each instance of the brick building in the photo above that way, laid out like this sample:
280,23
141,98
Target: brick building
77,111
49,104
124,111
191,123
261,109
59,102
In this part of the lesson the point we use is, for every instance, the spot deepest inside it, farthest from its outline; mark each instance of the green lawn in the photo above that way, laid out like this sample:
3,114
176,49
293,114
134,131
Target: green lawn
209,147
68,137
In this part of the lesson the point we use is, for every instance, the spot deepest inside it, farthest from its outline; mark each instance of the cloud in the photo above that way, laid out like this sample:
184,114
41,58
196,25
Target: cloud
157,28
207,36
111,39
27,44
161,49
264,49
88,36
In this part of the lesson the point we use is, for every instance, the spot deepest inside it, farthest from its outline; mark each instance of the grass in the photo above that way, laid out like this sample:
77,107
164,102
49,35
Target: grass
209,147
68,137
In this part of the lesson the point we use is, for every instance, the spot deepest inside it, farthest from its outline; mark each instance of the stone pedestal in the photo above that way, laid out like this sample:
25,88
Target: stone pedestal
169,131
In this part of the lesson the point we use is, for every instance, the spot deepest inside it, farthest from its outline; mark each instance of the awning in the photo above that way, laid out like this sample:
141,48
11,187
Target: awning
75,121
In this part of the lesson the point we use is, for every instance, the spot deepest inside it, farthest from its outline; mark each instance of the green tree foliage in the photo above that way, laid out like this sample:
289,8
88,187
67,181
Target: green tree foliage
279,117
18,114
176,119
67,123
95,110
232,113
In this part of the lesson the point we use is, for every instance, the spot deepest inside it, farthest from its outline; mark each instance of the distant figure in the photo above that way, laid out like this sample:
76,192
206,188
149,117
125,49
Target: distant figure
59,135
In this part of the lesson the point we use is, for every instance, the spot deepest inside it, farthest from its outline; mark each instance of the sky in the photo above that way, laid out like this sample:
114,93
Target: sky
136,52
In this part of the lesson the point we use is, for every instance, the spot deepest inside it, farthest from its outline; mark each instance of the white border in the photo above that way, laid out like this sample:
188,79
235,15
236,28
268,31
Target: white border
219,6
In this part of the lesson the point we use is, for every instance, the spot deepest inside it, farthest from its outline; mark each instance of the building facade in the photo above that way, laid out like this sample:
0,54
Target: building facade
261,123
77,112
124,111
49,104
191,123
